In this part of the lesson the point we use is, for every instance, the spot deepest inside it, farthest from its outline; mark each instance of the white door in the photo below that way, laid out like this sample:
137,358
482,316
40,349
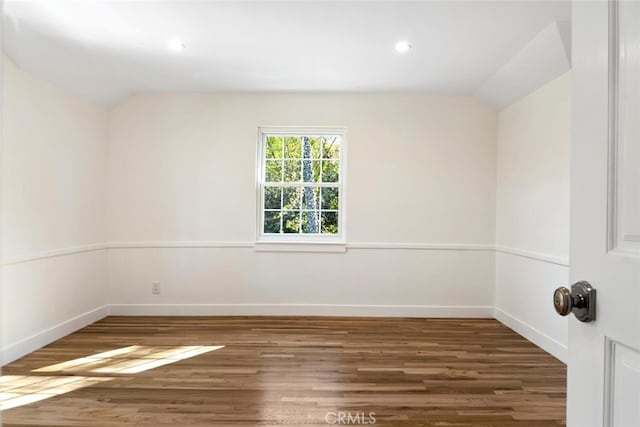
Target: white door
604,355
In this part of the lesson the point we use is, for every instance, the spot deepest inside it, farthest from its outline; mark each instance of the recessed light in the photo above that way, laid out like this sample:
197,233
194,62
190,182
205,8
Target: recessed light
403,46
176,45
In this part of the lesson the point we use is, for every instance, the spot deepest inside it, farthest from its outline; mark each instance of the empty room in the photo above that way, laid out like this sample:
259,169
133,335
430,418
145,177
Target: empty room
314,213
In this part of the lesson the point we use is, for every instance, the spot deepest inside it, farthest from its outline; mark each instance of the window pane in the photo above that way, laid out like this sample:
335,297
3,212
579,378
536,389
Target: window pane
273,149
272,222
291,221
292,147
310,171
291,197
310,222
293,167
330,198
272,197
329,222
330,170
273,171
315,144
310,198
292,170
331,148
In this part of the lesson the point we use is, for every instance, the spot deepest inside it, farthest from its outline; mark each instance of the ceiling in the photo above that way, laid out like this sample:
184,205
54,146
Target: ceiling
106,50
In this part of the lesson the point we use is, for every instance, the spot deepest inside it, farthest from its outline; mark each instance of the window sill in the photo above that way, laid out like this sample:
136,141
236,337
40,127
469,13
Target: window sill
300,247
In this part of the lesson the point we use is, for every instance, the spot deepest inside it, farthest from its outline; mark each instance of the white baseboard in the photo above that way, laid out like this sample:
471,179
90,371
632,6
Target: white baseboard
27,345
539,338
299,310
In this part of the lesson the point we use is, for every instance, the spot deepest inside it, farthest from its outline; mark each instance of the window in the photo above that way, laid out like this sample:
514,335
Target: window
301,177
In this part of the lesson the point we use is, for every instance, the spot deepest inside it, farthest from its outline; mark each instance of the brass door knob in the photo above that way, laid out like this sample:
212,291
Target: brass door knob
580,300
562,301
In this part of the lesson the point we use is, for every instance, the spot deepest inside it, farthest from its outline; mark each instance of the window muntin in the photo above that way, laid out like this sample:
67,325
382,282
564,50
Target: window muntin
300,185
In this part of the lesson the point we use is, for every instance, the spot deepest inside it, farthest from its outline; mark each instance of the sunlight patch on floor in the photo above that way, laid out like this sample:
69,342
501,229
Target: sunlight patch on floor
129,360
18,390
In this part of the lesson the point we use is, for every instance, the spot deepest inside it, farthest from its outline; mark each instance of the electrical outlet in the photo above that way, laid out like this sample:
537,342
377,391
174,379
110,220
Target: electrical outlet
155,288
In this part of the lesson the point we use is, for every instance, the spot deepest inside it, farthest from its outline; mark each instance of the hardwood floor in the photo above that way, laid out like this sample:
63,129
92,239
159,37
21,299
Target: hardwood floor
294,371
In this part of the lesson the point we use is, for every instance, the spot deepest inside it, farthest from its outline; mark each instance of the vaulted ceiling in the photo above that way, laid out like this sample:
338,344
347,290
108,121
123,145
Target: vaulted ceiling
106,50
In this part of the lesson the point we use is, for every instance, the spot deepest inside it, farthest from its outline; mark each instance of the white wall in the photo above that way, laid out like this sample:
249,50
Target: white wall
532,213
53,212
421,169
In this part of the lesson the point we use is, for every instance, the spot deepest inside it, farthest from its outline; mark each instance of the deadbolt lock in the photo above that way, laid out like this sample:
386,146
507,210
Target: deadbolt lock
580,300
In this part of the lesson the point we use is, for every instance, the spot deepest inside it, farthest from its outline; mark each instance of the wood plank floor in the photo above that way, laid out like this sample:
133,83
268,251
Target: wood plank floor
294,371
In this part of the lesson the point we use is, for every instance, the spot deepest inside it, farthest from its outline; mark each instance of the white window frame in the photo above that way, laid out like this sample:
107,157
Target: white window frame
333,242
